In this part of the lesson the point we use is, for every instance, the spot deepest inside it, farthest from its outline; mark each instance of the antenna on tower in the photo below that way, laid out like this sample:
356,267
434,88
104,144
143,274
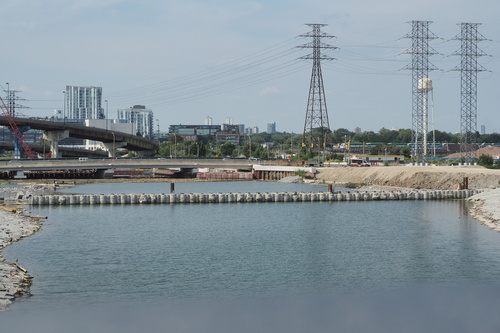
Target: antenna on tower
469,67
316,125
420,67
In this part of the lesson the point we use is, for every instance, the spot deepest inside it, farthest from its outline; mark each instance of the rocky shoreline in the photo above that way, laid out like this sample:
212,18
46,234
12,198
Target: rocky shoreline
16,224
486,208
15,281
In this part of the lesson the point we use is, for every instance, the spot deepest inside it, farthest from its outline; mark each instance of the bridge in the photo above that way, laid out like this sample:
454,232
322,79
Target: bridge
56,131
68,152
265,172
24,165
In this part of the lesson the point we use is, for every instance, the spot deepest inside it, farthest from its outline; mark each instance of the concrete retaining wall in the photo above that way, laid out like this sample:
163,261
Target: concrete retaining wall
179,198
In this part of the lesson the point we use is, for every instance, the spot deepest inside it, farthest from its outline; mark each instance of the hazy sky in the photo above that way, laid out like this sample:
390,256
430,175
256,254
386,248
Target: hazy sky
188,59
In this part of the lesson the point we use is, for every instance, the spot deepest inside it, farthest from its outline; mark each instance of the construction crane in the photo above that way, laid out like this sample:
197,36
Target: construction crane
17,132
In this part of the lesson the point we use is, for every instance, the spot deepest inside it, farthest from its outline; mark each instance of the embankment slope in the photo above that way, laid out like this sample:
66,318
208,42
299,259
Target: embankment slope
437,177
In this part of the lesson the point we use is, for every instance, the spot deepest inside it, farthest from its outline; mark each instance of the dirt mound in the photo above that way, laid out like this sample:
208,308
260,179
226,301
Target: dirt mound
490,150
438,177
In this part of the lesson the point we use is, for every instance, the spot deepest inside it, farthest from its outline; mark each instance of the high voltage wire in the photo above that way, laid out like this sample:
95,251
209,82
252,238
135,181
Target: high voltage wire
247,62
262,66
217,90
214,85
230,76
227,85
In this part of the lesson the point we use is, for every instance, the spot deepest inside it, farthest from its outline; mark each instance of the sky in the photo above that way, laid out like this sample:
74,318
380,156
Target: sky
239,59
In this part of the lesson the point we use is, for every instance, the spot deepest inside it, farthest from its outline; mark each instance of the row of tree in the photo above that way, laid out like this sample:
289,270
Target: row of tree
269,145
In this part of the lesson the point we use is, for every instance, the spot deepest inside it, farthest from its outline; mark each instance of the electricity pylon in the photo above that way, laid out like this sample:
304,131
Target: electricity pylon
316,125
420,67
469,67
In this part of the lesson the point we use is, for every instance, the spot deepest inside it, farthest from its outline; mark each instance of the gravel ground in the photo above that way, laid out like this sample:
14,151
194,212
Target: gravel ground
486,208
14,193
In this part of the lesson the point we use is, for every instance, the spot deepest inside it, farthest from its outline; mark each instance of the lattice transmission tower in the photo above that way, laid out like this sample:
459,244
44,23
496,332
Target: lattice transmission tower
420,67
316,125
12,104
469,67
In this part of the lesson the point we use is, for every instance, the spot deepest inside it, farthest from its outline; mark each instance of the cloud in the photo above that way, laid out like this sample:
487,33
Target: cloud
267,91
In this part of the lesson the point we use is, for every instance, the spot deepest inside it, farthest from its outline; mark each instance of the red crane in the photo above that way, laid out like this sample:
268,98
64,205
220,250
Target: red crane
16,130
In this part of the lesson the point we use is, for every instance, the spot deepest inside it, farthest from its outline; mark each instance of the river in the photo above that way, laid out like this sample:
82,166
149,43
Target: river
329,263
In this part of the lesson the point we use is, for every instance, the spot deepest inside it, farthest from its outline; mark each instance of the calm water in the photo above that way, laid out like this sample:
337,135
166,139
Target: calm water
153,256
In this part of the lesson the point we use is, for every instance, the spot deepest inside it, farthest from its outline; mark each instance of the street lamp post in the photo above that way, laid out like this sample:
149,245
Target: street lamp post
175,145
106,101
8,98
250,147
113,147
64,108
158,124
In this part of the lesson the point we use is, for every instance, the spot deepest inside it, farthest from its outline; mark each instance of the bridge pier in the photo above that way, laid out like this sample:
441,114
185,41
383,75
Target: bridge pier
111,147
142,153
54,137
18,147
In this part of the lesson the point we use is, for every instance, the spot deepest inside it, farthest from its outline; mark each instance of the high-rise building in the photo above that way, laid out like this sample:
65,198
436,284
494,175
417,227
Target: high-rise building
357,129
141,116
271,127
83,103
252,130
483,130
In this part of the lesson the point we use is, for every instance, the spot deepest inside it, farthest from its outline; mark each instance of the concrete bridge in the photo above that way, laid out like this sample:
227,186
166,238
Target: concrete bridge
67,152
56,131
260,171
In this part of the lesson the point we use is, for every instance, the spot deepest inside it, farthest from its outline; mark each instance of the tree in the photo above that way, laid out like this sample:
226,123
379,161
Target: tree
164,150
386,149
341,134
227,149
368,136
442,137
388,135
485,160
404,135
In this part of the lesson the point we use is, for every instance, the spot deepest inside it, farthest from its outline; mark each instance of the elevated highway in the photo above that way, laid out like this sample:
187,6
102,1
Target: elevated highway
65,151
56,131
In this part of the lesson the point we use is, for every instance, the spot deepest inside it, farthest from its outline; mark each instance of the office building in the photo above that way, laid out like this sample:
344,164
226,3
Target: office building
142,117
83,103
115,125
222,133
271,127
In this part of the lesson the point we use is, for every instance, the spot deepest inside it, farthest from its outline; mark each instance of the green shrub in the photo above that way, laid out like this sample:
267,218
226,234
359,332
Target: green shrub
485,160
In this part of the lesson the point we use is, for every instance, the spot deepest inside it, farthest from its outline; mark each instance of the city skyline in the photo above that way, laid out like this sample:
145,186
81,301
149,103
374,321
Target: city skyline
240,60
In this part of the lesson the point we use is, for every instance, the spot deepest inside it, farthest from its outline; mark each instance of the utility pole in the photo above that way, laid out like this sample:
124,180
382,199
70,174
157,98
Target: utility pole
12,100
469,67
420,67
316,125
